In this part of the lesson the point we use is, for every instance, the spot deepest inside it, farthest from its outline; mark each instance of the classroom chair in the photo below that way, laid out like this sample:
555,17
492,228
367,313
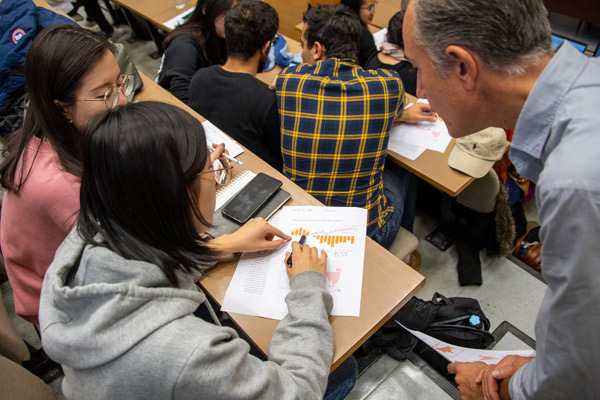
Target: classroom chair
16,382
405,248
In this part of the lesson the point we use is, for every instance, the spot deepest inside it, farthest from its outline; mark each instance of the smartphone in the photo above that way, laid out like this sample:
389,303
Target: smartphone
251,198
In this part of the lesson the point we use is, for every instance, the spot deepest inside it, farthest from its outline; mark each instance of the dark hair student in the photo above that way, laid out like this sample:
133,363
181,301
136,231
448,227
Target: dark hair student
365,10
67,54
122,290
139,191
335,27
248,27
197,43
71,75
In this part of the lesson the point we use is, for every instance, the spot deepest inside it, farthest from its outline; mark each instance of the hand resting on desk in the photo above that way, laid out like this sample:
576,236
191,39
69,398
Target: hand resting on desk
419,112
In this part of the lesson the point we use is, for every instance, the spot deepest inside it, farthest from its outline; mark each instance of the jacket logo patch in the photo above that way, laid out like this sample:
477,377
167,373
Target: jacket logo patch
17,35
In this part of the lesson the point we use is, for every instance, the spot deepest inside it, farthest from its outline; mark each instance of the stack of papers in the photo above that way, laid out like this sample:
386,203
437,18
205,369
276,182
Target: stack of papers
260,282
411,140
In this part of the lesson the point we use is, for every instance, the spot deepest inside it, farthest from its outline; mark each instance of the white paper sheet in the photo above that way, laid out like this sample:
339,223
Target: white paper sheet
455,353
260,283
215,135
430,135
179,19
380,37
408,150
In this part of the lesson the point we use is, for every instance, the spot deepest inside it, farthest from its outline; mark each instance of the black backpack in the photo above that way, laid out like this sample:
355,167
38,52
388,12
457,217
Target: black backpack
455,320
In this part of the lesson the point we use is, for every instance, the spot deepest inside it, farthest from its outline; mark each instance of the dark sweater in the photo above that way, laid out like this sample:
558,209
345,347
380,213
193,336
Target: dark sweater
182,59
241,106
367,47
408,73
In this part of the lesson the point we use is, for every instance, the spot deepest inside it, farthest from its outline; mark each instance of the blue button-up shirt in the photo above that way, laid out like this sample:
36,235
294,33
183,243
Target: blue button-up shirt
557,145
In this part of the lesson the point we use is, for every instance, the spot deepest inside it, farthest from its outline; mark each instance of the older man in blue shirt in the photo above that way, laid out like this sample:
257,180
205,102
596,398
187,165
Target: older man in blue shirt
483,63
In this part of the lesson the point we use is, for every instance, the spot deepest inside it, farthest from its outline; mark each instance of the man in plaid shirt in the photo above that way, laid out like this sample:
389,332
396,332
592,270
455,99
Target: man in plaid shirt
335,121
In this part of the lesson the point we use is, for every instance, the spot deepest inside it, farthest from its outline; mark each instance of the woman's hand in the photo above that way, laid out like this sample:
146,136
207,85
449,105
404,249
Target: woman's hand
305,258
254,235
419,112
218,151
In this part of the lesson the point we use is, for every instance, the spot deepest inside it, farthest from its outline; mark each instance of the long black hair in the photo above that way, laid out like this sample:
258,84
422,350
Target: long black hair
140,186
201,25
57,61
395,29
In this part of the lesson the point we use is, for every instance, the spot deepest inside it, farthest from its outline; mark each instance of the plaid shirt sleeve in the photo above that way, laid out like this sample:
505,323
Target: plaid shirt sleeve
335,121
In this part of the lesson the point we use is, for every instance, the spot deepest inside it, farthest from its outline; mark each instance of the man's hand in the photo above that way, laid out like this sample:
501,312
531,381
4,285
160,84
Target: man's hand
419,112
466,372
491,375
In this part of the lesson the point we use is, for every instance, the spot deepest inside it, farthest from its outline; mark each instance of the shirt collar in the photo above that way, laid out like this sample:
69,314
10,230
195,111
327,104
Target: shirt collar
535,120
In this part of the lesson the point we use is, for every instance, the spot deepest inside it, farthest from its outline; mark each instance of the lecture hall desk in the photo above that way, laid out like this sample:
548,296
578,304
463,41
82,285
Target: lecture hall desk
388,283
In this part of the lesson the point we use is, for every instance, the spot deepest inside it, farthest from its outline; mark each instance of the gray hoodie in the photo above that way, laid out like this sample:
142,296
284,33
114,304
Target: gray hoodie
122,332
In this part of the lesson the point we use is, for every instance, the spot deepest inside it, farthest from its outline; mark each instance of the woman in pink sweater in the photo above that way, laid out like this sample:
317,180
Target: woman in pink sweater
71,75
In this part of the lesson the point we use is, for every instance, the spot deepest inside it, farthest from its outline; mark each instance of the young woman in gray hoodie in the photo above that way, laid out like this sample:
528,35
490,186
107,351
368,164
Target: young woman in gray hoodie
118,301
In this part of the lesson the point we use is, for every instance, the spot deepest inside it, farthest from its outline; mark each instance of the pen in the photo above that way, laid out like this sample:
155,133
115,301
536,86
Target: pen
300,242
227,156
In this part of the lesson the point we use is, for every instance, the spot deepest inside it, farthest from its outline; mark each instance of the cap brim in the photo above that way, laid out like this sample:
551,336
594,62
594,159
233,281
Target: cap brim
468,164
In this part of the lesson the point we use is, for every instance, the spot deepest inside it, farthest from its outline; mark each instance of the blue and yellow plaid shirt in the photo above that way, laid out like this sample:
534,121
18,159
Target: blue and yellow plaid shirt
335,121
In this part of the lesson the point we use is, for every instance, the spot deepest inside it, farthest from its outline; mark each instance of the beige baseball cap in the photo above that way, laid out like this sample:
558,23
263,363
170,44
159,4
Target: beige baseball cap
475,154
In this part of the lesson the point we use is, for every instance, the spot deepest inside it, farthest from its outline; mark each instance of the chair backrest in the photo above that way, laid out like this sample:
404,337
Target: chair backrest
12,345
19,384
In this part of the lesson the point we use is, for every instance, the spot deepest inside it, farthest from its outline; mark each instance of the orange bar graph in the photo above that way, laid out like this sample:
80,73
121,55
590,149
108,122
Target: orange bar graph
332,240
300,231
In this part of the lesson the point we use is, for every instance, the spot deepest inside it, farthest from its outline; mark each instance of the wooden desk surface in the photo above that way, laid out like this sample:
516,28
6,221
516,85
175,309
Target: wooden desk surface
432,166
388,283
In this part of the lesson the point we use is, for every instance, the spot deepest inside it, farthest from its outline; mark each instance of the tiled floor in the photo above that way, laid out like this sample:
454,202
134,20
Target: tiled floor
508,293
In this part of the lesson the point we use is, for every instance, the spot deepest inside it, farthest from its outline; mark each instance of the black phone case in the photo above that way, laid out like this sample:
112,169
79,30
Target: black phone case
251,198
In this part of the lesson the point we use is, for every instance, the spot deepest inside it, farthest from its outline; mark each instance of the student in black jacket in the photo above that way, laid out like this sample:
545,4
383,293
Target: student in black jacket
198,43
230,96
391,55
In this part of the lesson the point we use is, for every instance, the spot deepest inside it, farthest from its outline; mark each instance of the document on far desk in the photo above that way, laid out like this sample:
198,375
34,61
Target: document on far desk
410,140
260,283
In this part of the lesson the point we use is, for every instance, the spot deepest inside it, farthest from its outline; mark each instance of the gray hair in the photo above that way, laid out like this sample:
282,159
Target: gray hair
509,35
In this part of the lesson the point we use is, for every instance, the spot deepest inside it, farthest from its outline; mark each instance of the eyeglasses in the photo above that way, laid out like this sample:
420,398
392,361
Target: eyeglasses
274,40
371,8
221,170
111,97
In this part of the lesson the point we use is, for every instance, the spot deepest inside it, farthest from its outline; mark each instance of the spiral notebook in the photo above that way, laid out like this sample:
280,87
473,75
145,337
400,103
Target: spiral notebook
227,192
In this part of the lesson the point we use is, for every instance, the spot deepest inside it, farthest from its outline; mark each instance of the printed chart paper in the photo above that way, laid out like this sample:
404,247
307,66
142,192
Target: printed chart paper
260,283
455,353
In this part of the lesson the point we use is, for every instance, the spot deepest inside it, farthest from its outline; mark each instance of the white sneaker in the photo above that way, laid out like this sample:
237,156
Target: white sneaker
118,33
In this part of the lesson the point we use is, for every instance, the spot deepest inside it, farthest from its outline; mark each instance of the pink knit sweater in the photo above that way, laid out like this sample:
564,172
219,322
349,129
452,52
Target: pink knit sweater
34,223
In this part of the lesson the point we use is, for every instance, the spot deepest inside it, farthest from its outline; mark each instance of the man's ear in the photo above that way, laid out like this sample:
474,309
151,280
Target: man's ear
265,49
318,51
465,65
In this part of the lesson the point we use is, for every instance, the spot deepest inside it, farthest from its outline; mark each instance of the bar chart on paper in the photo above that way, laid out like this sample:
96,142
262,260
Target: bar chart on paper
339,231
